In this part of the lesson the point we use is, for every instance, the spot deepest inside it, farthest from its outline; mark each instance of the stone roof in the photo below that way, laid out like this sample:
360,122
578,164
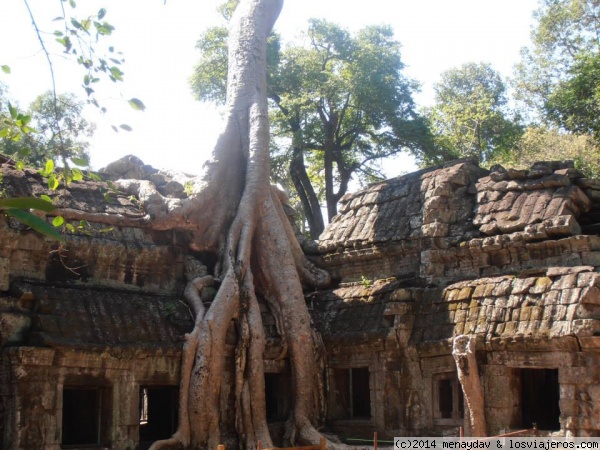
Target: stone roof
547,197
428,203
524,311
457,202
84,196
354,313
99,318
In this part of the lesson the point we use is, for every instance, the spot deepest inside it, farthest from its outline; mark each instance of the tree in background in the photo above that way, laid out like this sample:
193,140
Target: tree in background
470,117
557,82
540,143
341,102
563,31
62,133
574,103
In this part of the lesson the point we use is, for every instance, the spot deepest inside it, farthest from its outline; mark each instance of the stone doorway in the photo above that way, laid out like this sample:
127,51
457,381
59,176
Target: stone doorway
158,413
540,395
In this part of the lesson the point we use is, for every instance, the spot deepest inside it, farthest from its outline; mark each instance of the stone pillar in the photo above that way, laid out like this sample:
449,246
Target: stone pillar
463,351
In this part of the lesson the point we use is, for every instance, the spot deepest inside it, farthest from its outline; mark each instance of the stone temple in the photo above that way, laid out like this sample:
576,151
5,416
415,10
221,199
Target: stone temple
91,331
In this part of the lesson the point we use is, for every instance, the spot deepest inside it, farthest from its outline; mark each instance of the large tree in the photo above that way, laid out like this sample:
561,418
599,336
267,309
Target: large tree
259,259
471,117
574,104
341,100
563,30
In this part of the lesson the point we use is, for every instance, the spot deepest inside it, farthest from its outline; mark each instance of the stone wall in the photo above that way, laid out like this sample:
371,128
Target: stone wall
33,382
510,258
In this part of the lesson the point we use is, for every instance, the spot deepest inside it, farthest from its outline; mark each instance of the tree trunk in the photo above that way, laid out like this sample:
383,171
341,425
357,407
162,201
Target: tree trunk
258,257
329,194
304,188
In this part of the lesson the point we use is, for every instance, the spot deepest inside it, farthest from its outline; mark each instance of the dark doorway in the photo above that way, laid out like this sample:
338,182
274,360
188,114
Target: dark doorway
361,394
540,395
351,394
277,396
158,413
81,416
446,400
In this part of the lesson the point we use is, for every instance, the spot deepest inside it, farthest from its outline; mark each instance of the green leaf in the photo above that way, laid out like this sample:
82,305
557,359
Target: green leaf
72,3
125,127
27,203
52,183
82,162
36,223
45,197
49,167
5,69
19,165
101,13
56,19
115,129
116,73
70,227
77,174
3,132
58,221
137,104
104,29
93,176
13,111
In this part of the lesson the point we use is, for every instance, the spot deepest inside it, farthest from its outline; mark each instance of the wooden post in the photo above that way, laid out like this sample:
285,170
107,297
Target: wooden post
258,446
375,440
461,433
220,447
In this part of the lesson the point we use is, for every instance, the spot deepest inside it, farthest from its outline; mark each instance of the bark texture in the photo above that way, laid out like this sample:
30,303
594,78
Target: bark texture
236,213
463,350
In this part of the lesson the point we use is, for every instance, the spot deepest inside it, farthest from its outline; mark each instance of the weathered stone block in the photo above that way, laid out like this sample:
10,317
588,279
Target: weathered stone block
590,295
591,258
570,296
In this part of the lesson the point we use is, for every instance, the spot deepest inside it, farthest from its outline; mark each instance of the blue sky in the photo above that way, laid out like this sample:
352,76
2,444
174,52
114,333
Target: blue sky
158,40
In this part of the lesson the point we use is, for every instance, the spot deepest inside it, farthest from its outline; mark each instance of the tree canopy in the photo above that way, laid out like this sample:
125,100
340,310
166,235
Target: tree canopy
541,143
563,31
340,101
61,132
471,117
574,104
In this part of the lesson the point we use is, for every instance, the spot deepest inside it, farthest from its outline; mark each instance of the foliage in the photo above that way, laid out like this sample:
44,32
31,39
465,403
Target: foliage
575,103
540,143
13,123
339,104
471,117
19,208
61,132
563,30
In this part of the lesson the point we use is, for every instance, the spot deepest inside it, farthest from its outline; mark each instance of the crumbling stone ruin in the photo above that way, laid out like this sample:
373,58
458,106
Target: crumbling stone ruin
505,261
